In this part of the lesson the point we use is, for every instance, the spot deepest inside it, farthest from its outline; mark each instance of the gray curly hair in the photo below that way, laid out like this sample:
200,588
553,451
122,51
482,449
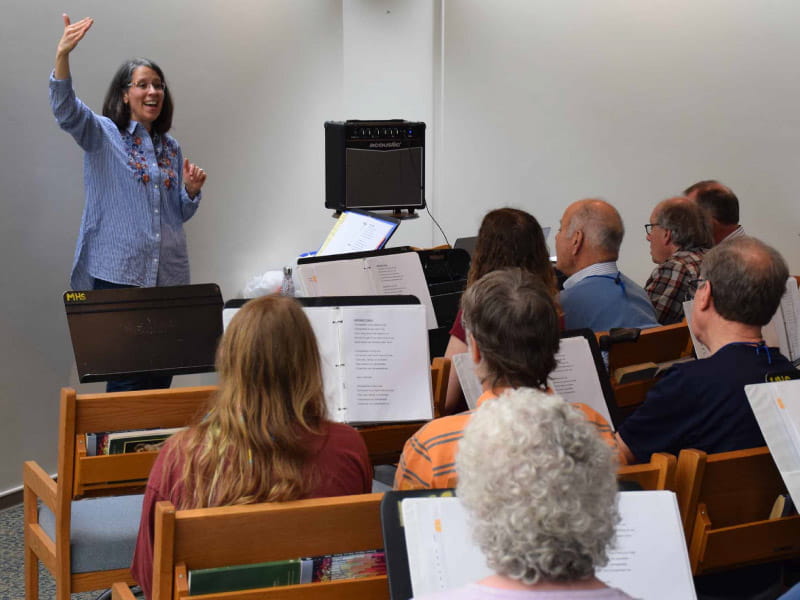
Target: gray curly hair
540,486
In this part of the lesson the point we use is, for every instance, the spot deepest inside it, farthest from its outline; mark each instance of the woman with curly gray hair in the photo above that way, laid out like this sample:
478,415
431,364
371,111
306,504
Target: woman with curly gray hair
540,487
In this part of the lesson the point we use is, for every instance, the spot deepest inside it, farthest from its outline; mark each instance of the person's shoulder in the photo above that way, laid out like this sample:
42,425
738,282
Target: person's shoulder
443,429
341,432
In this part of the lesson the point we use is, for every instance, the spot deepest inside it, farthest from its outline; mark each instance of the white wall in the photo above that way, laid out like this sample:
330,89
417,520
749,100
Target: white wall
548,102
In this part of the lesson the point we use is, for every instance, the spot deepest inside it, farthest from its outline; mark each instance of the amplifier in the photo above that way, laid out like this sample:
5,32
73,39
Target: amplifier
375,165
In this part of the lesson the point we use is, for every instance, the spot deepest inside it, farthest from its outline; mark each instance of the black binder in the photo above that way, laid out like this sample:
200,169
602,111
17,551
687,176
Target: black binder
128,331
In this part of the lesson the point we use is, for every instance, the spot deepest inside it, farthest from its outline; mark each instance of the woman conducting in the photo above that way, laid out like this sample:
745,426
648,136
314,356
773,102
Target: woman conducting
266,437
139,188
508,237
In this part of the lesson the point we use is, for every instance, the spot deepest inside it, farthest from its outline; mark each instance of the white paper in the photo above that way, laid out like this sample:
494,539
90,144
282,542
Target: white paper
649,561
782,330
326,323
391,274
776,406
441,553
700,349
575,377
387,373
470,384
355,232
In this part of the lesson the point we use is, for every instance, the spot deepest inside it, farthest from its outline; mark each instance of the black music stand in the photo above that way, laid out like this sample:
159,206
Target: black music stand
132,331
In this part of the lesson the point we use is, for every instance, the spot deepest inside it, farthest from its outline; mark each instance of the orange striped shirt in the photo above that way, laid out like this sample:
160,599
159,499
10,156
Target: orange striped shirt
429,456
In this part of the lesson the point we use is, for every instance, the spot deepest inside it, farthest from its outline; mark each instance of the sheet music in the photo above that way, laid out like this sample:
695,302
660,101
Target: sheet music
782,330
390,274
649,560
387,373
700,349
470,384
575,378
776,406
326,321
356,232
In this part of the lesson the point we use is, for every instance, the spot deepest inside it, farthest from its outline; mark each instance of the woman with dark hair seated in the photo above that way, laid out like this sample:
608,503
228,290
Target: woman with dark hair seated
266,437
508,237
540,488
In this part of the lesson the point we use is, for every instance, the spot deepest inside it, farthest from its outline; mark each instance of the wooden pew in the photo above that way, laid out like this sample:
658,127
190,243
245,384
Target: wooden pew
658,474
658,345
725,501
81,476
237,535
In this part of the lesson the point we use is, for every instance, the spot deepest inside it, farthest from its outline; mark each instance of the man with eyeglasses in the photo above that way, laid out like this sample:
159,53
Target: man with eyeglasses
701,404
679,236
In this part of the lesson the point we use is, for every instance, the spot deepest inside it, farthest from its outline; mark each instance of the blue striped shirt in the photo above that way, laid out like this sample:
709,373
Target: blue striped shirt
132,225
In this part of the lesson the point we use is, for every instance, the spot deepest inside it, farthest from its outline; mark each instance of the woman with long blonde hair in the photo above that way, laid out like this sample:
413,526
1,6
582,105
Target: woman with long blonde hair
266,436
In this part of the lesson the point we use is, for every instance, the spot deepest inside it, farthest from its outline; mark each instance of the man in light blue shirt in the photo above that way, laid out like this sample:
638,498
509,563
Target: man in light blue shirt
596,294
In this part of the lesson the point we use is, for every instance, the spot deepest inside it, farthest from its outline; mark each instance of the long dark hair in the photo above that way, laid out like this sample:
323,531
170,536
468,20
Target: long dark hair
115,108
509,237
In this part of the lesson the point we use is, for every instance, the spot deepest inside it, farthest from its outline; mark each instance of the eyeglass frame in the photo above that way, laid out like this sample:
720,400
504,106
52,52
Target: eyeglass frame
146,85
648,227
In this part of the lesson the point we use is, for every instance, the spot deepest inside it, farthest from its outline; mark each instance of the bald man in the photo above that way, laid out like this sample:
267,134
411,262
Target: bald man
679,234
596,295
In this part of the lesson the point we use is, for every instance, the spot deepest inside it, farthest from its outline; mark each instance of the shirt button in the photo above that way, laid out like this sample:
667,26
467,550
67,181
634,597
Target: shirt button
156,186
156,211
158,235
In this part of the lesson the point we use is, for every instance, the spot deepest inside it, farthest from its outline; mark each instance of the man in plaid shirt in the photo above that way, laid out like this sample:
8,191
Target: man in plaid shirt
679,234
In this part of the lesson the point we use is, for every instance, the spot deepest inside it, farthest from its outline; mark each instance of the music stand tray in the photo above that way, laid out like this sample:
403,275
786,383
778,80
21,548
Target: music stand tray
129,331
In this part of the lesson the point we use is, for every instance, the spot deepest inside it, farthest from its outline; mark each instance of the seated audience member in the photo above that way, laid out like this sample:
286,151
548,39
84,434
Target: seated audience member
540,489
596,295
679,236
701,404
266,437
508,237
722,206
512,334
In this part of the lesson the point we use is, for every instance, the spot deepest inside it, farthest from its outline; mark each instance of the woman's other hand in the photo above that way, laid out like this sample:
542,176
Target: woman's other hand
193,178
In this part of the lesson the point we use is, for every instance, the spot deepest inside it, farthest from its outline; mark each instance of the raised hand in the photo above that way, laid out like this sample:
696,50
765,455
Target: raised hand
73,33
193,178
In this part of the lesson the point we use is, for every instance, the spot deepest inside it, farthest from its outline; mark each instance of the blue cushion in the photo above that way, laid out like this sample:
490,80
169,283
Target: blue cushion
103,533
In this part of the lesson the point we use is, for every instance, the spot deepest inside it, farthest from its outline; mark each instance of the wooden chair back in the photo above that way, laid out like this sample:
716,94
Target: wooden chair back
725,501
238,535
658,474
658,345
385,442
80,475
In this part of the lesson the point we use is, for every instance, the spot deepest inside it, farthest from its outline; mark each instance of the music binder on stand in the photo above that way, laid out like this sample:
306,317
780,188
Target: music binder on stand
130,331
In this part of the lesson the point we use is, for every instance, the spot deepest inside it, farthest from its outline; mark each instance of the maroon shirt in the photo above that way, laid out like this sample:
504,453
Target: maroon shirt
340,461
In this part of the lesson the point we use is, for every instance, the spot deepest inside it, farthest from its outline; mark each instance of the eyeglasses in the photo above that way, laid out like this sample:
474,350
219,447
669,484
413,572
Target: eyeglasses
157,86
648,227
694,285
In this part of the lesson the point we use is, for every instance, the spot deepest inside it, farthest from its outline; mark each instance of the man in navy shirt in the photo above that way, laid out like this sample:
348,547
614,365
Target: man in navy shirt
702,404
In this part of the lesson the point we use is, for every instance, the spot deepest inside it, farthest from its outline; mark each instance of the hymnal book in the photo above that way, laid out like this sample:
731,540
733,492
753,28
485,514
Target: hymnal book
649,558
123,442
776,406
575,378
375,365
331,567
380,275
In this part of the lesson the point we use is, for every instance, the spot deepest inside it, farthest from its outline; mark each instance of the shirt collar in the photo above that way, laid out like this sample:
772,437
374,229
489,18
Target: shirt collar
602,268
